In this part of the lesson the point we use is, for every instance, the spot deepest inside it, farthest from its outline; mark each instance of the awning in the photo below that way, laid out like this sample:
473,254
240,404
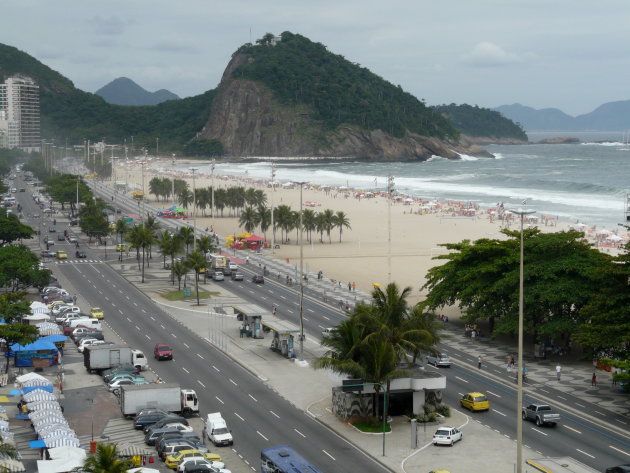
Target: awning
132,450
28,376
58,466
63,442
66,452
39,395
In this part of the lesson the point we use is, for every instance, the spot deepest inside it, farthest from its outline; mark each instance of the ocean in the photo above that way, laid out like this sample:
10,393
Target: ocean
586,182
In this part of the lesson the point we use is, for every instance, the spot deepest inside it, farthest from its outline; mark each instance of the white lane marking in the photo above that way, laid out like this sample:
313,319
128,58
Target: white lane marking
152,318
251,292
113,305
173,335
239,417
217,398
297,431
233,382
137,328
216,369
119,310
460,394
587,454
571,428
128,319
600,413
621,451
262,436
275,414
461,379
283,298
186,345
289,311
198,354
327,318
494,394
270,291
578,404
329,455
128,298
136,304
499,412
263,298
563,398
163,326
107,298
310,310
255,400
202,385
321,327
305,318
185,370
147,336
144,311
539,431
624,423
100,292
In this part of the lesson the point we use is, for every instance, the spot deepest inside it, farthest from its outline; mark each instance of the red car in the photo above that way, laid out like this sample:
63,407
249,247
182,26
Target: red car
162,352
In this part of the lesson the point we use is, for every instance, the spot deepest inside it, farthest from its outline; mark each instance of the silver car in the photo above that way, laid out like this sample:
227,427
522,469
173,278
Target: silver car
441,359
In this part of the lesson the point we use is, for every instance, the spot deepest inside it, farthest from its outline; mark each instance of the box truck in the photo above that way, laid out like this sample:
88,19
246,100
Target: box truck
166,396
102,357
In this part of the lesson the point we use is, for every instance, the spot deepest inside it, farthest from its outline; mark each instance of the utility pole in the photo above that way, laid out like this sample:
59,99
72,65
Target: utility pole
273,190
194,209
301,278
390,190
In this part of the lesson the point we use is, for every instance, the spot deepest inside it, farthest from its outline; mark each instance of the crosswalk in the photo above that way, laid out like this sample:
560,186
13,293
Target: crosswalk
74,261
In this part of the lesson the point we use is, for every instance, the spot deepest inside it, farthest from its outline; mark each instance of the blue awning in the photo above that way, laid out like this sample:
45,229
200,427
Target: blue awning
54,338
35,346
37,444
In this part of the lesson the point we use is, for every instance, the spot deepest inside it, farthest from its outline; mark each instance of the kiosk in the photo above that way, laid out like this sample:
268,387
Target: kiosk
284,335
251,317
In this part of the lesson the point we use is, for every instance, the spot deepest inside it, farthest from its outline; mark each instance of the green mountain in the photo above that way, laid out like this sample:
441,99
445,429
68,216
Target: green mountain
482,122
124,91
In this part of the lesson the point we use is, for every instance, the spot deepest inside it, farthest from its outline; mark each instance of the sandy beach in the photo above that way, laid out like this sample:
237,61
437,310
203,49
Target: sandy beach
417,228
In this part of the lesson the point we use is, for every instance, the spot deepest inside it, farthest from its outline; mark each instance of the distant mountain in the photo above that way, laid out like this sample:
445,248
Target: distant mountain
124,91
607,117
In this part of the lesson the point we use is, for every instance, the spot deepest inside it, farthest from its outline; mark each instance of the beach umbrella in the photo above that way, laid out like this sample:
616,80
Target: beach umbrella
614,238
39,395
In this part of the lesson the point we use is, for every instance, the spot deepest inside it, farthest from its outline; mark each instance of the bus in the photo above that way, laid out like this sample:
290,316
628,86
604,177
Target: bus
283,459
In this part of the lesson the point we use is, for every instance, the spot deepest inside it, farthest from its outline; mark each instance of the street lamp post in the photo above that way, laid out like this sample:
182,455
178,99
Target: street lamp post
273,190
214,161
194,209
390,190
301,278
519,398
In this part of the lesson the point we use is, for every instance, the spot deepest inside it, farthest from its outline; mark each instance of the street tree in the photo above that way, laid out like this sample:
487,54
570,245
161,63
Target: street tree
180,268
105,460
197,262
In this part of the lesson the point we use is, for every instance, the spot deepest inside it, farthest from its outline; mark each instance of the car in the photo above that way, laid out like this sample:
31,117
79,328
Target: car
22,189
232,266
258,279
226,271
52,229
124,368
115,386
61,309
163,352
60,237
62,254
172,446
49,241
35,215
441,359
218,276
172,461
97,313
89,342
148,419
475,402
236,276
447,436
120,247
13,190
80,254
201,464
132,377
619,469
49,211
328,331
169,419
177,438
72,239
152,436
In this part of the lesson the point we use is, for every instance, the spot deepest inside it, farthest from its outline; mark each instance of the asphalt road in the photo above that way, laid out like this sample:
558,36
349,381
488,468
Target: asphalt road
261,418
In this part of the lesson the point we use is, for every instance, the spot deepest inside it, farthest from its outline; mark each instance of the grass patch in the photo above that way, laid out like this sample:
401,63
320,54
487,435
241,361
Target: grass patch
371,426
179,295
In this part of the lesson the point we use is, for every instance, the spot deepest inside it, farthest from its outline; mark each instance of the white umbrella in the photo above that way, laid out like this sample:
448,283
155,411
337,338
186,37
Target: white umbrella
62,442
614,238
39,395
29,376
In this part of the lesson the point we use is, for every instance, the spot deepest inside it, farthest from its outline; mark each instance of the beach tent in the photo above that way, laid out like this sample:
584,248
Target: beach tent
50,329
62,442
38,352
39,395
614,238
59,453
28,377
254,238
38,318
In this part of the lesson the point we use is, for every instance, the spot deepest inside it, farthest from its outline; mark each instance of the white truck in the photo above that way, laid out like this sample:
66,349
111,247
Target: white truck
166,396
217,430
102,357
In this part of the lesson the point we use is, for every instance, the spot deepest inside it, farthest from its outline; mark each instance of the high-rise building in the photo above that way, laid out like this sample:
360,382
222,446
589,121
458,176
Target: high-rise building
19,113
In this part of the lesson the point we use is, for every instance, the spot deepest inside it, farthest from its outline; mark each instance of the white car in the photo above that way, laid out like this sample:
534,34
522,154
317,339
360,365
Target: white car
232,266
218,276
447,436
441,359
88,342
214,467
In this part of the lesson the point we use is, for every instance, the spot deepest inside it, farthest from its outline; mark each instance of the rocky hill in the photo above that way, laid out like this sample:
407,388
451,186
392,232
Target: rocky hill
291,97
124,91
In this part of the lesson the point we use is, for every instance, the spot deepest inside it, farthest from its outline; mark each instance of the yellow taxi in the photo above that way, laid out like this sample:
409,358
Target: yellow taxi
475,402
439,471
121,247
172,461
97,313
61,254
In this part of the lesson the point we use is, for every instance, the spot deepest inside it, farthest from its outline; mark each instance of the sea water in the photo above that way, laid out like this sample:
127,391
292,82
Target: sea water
586,182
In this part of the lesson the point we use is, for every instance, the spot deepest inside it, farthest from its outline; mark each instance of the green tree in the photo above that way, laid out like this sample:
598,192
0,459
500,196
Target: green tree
197,262
341,221
13,306
19,268
185,198
180,269
120,229
11,229
141,238
105,460
249,219
93,219
205,244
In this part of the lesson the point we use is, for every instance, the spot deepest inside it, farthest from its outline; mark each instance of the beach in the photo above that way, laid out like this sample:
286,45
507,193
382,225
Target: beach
407,232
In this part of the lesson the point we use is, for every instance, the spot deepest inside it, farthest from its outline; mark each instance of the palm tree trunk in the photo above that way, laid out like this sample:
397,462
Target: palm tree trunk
143,264
197,285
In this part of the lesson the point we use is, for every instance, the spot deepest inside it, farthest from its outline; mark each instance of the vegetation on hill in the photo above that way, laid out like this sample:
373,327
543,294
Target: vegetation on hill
339,92
476,121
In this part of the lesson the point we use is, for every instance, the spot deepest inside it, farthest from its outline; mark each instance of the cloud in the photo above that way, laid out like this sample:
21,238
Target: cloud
487,54
107,26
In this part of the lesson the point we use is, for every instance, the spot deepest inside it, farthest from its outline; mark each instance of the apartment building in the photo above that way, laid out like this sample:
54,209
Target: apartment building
19,113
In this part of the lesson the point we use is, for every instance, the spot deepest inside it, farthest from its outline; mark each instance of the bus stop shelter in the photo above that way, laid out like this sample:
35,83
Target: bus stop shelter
284,335
251,316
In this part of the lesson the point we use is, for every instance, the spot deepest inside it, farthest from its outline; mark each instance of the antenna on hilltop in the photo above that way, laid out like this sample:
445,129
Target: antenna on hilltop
250,35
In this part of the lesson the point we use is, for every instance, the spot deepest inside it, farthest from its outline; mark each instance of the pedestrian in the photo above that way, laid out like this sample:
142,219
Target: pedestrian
479,361
558,369
274,311
204,434
74,299
354,286
247,260
473,334
349,286
594,379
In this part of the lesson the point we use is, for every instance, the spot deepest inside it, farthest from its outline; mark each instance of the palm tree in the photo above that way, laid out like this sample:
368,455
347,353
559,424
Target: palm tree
248,219
141,238
152,225
204,199
205,244
341,220
179,270
185,198
171,247
320,225
164,242
120,229
105,460
197,262
308,221
264,218
328,217
188,236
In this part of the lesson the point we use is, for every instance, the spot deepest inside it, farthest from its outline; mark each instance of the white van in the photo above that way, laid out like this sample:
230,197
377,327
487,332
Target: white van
138,359
94,324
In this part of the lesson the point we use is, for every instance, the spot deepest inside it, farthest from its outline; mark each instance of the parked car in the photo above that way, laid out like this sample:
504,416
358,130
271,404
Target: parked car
172,446
619,469
97,313
236,276
60,237
447,436
170,419
85,342
475,402
80,254
59,309
49,241
172,461
153,435
120,247
115,386
258,279
151,410
163,352
218,276
440,359
52,229
148,419
46,253
177,438
201,464
124,368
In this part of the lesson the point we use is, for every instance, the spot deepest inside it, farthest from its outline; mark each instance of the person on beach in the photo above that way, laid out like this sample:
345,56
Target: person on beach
354,286
349,286
594,380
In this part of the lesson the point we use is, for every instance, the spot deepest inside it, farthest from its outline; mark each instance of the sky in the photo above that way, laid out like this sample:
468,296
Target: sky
565,54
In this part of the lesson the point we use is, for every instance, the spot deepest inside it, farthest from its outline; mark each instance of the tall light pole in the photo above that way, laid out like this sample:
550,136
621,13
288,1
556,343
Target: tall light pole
214,161
194,209
390,190
157,146
519,375
301,278
173,180
143,194
273,191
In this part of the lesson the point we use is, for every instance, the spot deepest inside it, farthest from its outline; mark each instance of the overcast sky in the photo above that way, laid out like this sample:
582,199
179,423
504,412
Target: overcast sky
567,54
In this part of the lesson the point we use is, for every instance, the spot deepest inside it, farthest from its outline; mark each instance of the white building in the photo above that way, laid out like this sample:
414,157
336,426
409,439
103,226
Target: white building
19,113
